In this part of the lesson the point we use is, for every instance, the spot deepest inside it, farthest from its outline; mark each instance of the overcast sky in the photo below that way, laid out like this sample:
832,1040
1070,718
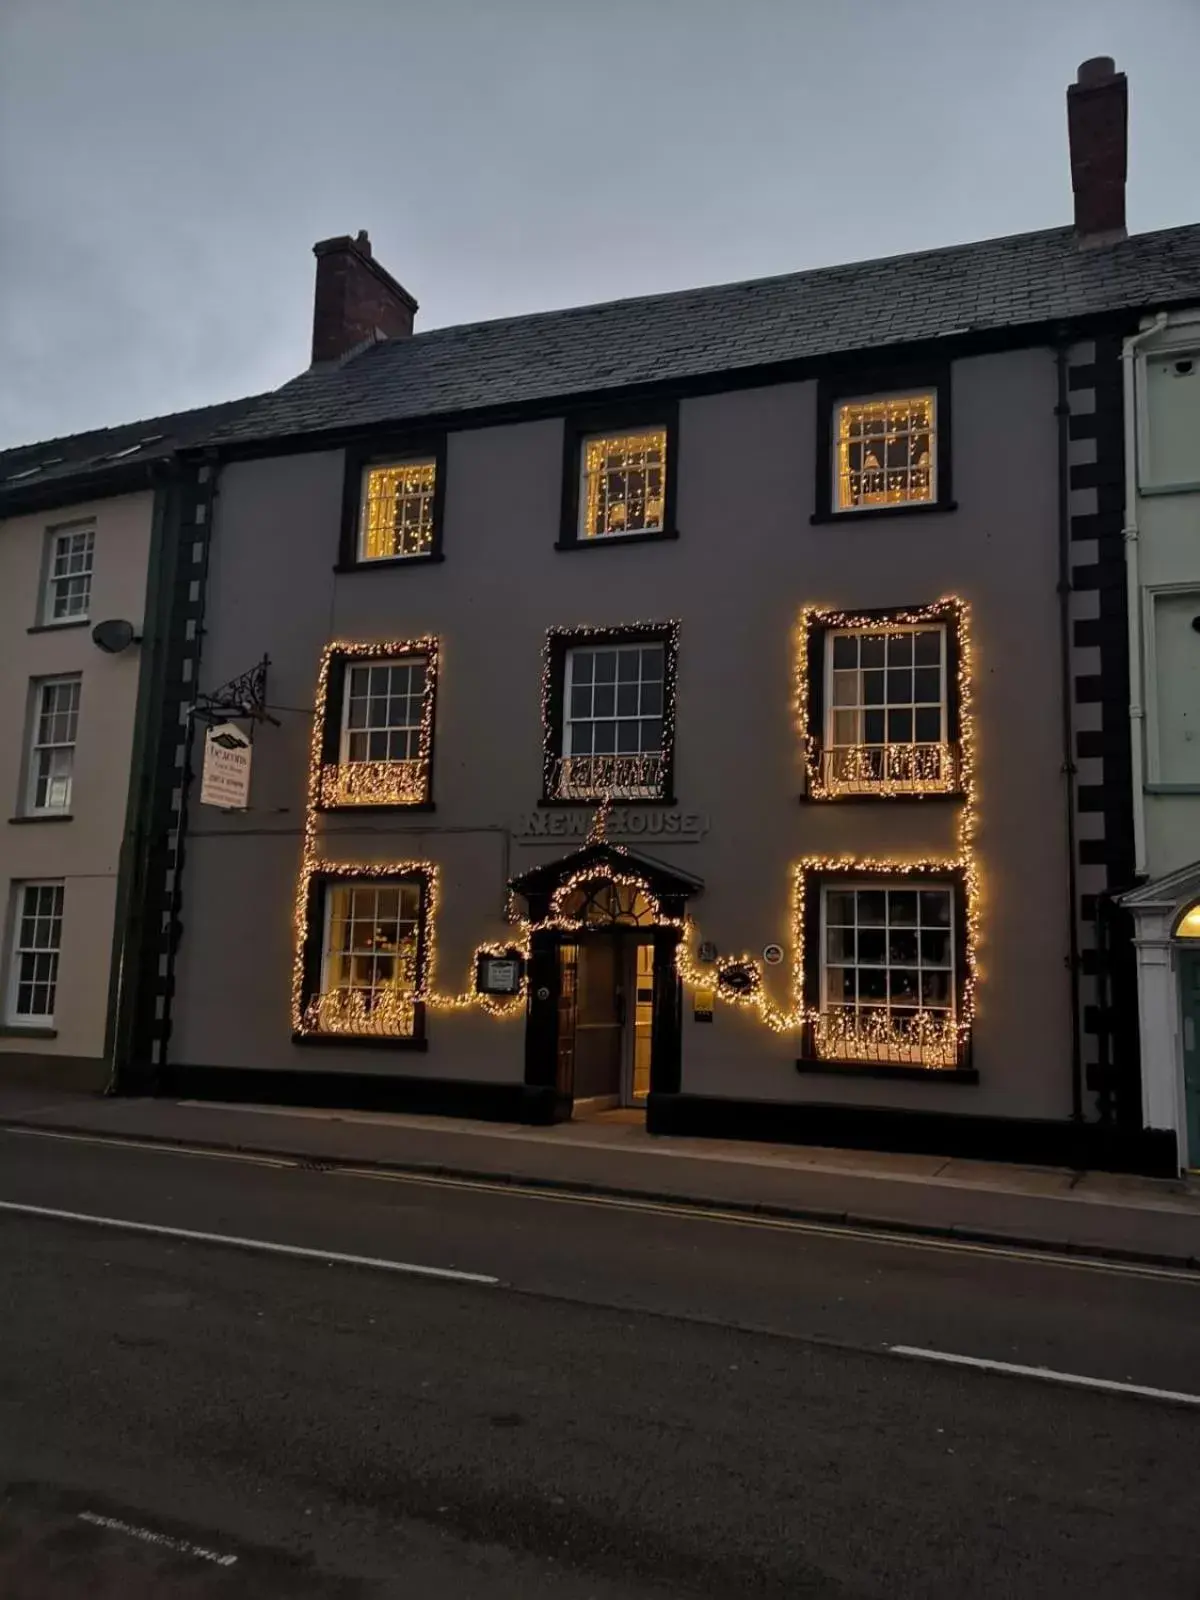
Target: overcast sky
166,165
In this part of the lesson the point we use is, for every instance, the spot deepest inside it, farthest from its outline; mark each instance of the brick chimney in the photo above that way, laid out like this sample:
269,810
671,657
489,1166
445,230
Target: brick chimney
355,299
1097,125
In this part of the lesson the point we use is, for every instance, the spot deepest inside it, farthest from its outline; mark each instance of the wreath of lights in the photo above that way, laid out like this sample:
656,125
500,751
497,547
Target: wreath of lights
667,632
751,994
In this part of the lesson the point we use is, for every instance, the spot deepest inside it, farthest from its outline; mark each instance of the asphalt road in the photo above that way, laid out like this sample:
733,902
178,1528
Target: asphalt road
641,1404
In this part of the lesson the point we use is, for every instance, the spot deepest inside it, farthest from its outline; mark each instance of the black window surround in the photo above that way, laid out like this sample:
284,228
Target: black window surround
820,625
582,425
332,712
314,955
815,883
559,641
865,385
381,453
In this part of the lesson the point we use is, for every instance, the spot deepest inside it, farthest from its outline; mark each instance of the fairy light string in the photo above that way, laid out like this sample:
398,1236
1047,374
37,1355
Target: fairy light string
739,979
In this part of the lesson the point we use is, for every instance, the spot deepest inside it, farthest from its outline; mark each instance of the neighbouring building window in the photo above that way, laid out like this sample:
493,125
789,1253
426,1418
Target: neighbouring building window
613,725
885,451
886,711
52,745
623,484
397,510
888,975
68,594
379,722
370,959
36,942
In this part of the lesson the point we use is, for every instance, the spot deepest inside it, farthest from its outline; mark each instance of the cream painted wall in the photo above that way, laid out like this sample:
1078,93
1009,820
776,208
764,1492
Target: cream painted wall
83,852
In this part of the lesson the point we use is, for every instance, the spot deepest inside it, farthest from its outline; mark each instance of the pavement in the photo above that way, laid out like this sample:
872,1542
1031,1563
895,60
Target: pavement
1106,1215
202,1394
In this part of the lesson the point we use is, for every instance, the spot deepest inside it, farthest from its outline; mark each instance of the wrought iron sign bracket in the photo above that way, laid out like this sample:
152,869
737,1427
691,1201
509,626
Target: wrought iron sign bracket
243,696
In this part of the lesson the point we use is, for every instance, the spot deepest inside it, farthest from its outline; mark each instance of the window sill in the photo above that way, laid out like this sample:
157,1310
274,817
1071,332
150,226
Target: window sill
359,1041
398,806
608,540
388,563
1171,788
41,816
815,1066
17,1030
590,802
884,513
874,796
60,627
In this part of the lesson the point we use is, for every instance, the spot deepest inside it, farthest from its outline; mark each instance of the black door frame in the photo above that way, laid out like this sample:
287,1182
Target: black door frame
544,1101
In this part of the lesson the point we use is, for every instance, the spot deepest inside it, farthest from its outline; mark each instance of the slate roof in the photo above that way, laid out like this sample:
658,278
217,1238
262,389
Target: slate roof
1022,280
105,450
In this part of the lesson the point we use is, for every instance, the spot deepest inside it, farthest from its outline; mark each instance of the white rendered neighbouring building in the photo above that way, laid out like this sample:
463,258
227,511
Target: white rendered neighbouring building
1162,543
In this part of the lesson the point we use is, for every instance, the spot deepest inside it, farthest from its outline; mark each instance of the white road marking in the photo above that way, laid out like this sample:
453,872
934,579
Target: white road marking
333,1166
148,1536
268,1246
1075,1380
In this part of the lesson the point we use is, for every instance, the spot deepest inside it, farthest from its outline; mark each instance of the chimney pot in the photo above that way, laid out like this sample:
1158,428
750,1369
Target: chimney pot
1098,131
355,298
1098,70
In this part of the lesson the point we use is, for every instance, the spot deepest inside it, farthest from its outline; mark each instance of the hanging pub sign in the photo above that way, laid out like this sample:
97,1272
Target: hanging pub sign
225,778
500,974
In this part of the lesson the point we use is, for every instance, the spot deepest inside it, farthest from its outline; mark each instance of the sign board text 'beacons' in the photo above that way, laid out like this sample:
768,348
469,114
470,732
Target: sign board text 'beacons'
225,780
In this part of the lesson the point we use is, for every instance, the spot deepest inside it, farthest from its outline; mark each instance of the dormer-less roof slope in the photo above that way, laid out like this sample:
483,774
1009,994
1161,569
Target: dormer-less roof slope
1026,280
54,468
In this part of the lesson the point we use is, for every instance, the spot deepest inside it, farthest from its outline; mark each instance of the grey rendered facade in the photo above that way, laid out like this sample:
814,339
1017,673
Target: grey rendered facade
746,562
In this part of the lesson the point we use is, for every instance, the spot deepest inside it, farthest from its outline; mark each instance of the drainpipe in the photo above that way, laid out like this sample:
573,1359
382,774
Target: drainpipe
1062,412
1133,596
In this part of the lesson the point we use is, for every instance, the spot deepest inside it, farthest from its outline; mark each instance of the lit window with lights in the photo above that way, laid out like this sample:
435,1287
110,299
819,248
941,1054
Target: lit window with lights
885,451
397,510
623,484
886,716
370,960
613,721
377,708
888,975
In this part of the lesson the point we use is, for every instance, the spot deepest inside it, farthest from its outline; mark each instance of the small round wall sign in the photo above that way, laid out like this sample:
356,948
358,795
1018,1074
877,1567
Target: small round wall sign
772,954
543,993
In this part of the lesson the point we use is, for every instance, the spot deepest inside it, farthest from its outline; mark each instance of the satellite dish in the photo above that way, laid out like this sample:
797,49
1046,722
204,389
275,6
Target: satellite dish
114,636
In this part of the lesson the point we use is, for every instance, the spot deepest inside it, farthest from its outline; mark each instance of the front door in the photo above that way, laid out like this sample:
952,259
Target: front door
1189,994
599,1022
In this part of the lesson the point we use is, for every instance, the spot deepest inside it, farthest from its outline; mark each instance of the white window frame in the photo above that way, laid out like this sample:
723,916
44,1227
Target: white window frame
413,729
625,647
614,435
16,951
912,885
829,743
36,747
1149,686
839,405
348,886
59,538
399,464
